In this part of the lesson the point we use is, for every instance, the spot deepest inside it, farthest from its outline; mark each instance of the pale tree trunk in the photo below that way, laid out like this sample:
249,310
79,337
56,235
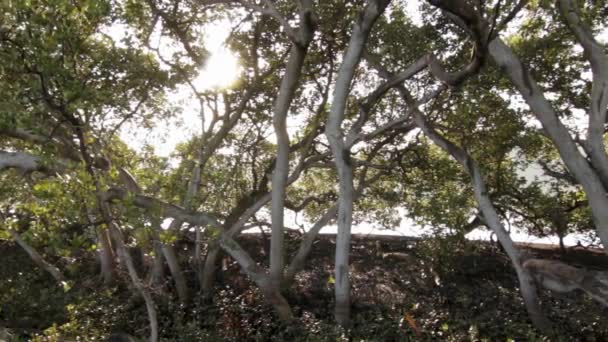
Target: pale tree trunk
214,248
209,268
37,258
157,271
288,87
104,249
199,263
181,285
526,281
492,219
123,254
128,262
594,52
193,187
345,212
106,255
256,273
560,277
114,232
25,162
341,153
270,284
557,132
297,262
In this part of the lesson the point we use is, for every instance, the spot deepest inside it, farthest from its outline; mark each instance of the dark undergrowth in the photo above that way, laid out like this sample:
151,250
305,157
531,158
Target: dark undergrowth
426,290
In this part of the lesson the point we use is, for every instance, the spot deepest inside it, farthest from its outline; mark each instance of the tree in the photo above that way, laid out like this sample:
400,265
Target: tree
367,112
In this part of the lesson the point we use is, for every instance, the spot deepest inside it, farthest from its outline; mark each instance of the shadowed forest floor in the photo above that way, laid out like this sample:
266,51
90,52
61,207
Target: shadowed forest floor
402,290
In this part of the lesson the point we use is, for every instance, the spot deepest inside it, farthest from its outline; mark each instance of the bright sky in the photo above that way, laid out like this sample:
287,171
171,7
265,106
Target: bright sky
220,71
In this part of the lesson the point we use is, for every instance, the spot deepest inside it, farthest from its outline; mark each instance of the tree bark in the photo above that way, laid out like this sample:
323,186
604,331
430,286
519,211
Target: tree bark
106,255
271,291
287,90
156,275
557,132
37,258
594,52
199,263
341,153
209,268
492,219
128,261
20,160
560,277
181,286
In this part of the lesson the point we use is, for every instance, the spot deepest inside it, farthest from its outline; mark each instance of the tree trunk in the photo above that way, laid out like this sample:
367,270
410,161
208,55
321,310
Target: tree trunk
106,255
199,263
594,52
157,273
37,258
529,292
287,90
557,132
128,261
341,153
492,219
257,274
526,282
341,272
562,247
111,228
209,268
181,286
277,301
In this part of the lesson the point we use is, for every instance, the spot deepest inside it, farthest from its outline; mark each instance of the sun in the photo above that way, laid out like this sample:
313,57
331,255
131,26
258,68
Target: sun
220,72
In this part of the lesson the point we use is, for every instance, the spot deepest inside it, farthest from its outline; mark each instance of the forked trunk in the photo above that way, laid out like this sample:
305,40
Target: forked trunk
287,90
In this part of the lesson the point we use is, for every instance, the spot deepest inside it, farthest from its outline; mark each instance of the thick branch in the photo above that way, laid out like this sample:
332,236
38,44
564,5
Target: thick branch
165,209
22,161
37,258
